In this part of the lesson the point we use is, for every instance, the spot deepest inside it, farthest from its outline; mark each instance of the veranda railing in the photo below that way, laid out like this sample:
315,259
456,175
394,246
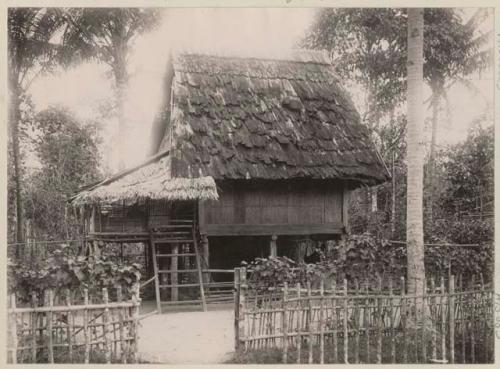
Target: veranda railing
357,322
70,327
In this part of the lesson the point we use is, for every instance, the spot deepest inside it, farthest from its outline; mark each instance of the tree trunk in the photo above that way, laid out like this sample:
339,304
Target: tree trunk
414,222
121,80
432,153
393,197
14,119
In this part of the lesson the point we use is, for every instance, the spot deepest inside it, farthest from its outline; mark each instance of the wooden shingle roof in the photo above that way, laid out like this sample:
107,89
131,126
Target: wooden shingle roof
248,118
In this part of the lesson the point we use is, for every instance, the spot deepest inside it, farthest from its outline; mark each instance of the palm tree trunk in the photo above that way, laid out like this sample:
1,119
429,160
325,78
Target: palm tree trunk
432,152
15,116
121,79
414,222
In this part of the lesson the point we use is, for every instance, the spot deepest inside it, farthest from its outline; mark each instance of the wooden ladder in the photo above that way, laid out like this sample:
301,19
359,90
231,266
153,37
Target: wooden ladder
166,244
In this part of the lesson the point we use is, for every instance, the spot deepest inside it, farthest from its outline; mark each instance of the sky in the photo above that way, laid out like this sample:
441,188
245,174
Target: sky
248,32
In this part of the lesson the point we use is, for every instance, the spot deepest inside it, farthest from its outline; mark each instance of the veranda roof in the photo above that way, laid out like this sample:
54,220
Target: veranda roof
149,180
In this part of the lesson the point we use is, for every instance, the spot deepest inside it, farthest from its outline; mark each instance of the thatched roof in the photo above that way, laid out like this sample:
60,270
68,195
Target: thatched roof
242,118
150,180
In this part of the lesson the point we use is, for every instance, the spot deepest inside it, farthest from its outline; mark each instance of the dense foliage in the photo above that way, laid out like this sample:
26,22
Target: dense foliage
69,157
64,269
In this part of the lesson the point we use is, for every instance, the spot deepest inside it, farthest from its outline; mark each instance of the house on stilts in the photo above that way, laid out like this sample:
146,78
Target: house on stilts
252,157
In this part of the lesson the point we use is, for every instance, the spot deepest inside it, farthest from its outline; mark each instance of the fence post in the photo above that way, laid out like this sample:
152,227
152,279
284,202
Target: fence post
451,312
346,331
423,318
86,326
50,297
34,323
335,323
123,353
284,323
321,322
443,322
391,307
105,326
13,330
135,320
379,320
473,322
70,326
237,292
299,324
309,322
403,319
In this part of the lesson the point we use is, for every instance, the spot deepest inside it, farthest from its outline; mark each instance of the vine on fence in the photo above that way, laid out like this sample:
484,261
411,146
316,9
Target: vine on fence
63,270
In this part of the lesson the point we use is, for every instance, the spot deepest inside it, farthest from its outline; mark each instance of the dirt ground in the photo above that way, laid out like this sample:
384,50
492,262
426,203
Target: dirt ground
187,337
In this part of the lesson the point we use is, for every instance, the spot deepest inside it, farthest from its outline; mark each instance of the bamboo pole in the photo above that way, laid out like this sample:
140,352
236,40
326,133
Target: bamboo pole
379,321
356,325
366,319
284,324
451,312
135,322
69,327
403,318
237,293
321,323
473,325
13,330
85,326
299,324
391,307
123,353
105,326
463,324
34,323
50,297
309,322
423,324
335,321
434,320
443,322
346,332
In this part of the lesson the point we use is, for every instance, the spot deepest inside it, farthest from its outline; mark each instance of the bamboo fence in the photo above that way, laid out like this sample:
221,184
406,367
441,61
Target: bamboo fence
361,322
74,328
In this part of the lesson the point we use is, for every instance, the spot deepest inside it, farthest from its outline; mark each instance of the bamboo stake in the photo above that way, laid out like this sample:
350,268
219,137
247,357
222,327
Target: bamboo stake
463,324
237,293
356,327
473,325
335,321
34,323
284,324
391,307
50,297
309,322
434,320
299,324
135,322
346,332
13,330
70,326
403,318
119,296
379,321
366,318
321,323
443,322
451,312
423,323
105,326
85,326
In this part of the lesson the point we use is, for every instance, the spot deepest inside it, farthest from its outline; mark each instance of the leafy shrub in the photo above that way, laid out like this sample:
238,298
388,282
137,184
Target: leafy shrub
63,270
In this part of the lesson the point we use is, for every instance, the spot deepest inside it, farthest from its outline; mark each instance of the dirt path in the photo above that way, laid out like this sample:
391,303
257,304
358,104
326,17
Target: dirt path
187,337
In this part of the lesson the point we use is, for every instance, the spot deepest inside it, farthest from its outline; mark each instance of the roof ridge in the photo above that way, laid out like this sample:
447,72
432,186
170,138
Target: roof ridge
293,55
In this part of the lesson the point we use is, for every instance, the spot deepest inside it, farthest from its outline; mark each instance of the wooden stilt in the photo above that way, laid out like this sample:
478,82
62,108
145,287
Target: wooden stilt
157,277
174,276
273,248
